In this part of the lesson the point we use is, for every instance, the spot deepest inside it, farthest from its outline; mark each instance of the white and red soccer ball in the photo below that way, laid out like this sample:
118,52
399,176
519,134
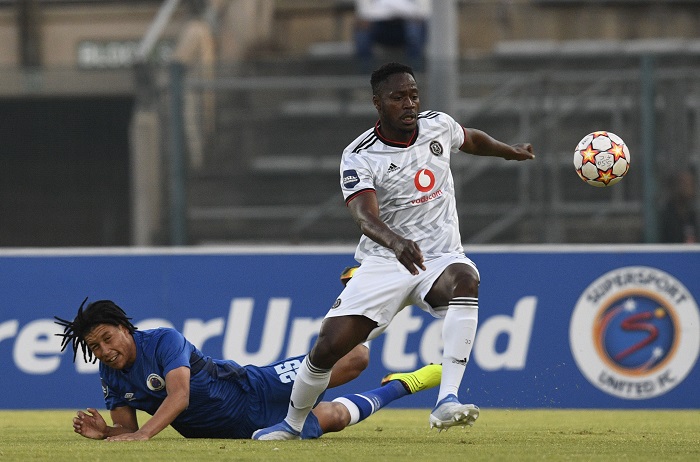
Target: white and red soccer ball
601,159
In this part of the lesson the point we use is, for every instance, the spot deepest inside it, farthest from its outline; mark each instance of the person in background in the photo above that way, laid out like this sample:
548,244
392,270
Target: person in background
399,24
679,223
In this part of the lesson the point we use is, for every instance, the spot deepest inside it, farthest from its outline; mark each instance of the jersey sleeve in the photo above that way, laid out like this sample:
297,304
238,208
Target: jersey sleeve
172,351
110,391
355,176
457,132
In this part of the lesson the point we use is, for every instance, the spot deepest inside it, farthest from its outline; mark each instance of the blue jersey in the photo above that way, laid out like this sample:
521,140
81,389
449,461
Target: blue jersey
227,400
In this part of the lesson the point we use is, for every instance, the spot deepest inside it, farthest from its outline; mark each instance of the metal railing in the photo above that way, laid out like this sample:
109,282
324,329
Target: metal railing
545,201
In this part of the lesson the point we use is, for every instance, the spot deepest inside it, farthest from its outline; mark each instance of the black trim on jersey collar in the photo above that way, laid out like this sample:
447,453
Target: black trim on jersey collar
365,143
395,144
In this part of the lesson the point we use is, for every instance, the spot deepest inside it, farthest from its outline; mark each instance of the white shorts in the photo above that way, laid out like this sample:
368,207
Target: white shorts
381,288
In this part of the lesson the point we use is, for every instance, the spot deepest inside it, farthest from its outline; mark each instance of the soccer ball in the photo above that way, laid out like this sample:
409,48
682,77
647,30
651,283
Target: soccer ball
601,159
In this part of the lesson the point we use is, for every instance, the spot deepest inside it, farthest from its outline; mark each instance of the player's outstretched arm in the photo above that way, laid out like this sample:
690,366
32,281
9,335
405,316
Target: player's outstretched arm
482,144
177,385
91,424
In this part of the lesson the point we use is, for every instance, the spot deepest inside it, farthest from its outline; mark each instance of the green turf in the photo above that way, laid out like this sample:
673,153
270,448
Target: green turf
391,435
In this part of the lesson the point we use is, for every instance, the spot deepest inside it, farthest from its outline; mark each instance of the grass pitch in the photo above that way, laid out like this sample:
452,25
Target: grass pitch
390,435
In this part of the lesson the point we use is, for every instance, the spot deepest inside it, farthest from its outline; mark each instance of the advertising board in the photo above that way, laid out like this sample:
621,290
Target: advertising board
559,327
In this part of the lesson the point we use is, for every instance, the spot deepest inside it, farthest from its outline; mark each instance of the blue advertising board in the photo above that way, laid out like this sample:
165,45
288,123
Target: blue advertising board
559,327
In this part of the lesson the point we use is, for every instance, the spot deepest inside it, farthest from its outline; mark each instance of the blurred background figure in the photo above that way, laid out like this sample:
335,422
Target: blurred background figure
395,24
196,50
678,218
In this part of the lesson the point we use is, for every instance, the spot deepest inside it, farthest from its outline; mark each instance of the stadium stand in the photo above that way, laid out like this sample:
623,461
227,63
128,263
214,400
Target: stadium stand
273,179
260,132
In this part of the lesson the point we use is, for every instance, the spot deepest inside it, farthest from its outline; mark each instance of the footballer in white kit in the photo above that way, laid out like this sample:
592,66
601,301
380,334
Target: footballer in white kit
415,193
398,187
413,183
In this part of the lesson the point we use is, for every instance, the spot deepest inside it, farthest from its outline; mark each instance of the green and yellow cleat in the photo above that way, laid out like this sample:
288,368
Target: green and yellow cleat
426,377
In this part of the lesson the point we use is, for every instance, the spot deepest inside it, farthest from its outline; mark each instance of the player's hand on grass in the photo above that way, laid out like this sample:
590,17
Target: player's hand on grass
136,436
90,424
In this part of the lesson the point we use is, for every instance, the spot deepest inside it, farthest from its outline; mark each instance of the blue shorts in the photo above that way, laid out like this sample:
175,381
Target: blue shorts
271,388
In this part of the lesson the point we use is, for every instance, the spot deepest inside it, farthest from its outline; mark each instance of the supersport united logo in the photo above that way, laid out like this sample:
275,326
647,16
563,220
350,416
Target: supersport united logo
637,333
628,332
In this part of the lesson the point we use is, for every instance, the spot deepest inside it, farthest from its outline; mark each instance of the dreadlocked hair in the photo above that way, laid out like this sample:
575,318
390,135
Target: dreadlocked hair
99,312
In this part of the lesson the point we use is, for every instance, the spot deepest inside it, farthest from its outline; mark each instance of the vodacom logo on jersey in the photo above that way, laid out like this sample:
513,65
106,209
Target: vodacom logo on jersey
424,180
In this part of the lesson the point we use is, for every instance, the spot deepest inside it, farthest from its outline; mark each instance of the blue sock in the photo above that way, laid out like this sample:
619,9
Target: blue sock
363,405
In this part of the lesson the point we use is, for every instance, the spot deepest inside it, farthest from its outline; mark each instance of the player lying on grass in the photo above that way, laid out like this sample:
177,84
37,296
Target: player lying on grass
160,372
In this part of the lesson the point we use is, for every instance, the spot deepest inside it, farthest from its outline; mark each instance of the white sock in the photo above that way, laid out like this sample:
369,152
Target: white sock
458,332
352,409
310,382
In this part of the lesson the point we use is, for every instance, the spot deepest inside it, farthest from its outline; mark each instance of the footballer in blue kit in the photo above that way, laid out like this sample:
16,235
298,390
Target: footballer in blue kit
225,397
160,372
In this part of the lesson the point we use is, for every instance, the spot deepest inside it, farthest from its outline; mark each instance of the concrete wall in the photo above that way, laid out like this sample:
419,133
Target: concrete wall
62,27
252,27
485,23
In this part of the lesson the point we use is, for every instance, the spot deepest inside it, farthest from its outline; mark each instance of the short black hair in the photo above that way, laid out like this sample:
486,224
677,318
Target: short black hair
380,75
99,312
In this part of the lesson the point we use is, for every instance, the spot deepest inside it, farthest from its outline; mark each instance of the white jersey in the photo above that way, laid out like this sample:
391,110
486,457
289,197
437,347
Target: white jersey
413,183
